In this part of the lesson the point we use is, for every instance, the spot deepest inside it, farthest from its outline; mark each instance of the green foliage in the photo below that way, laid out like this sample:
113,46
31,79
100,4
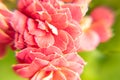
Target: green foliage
6,72
11,4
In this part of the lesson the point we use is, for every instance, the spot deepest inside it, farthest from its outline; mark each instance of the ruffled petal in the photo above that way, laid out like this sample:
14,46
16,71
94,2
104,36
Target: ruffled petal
74,29
33,28
61,40
44,41
4,38
69,74
19,26
88,41
28,70
74,9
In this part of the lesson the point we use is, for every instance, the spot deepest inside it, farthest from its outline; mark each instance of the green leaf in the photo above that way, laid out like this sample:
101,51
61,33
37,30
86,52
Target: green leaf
6,72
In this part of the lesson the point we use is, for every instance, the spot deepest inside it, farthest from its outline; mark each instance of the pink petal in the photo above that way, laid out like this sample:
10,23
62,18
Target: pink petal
60,62
59,20
18,22
74,57
70,75
107,15
19,66
88,41
32,28
51,50
23,56
49,7
4,38
52,28
43,16
19,41
3,24
102,30
76,67
23,3
32,8
68,1
29,39
28,71
74,9
61,40
44,41
67,12
42,75
58,75
70,45
74,29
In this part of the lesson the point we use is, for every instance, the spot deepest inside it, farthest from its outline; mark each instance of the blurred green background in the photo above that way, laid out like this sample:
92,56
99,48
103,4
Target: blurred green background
102,63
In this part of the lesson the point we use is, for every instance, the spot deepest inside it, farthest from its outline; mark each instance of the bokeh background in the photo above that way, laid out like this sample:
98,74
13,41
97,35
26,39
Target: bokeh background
102,63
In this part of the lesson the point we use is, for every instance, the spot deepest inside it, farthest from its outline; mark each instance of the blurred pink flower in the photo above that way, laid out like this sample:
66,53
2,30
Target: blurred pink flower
48,64
43,23
96,28
103,19
6,32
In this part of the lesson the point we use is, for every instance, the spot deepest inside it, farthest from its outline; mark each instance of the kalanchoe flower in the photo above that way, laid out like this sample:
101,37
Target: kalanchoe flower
43,23
48,64
102,23
6,32
96,28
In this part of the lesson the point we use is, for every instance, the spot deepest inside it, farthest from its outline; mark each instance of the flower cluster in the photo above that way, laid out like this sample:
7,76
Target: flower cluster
47,34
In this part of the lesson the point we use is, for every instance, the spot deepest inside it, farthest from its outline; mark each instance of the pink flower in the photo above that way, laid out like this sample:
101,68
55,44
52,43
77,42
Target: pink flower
102,23
96,28
48,64
43,23
6,32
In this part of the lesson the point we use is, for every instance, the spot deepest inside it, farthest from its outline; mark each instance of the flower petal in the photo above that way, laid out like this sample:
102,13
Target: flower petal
61,40
74,9
29,70
4,38
33,28
18,22
19,41
107,15
104,32
58,75
59,18
70,75
29,39
88,41
74,29
44,41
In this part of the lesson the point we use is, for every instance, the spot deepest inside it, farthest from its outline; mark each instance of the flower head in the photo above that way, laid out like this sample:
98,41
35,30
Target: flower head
43,23
48,64
102,23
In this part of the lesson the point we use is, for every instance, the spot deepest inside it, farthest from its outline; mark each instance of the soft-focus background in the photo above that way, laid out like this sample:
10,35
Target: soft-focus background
102,63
